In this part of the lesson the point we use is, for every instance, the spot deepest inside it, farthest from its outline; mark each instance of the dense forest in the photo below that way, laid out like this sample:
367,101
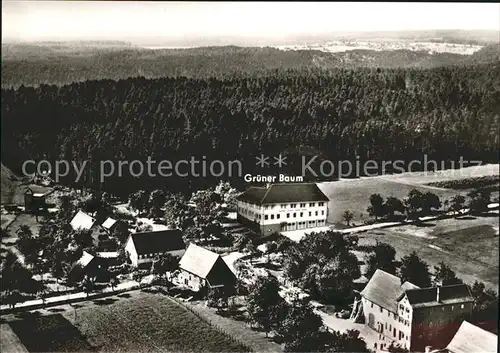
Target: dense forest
379,114
64,64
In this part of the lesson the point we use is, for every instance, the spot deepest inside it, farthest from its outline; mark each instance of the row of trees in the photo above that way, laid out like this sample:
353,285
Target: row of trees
322,264
418,203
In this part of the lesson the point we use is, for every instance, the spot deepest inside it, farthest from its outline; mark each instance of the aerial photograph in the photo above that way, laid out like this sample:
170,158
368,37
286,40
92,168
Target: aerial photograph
181,176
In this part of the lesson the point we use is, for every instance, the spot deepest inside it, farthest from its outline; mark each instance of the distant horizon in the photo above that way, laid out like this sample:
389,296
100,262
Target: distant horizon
161,23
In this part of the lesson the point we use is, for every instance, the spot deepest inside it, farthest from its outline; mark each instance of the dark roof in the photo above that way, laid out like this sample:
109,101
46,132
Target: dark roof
424,297
283,193
158,242
470,338
384,289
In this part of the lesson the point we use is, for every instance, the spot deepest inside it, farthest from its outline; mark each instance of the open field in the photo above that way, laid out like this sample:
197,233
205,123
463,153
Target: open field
49,334
469,245
146,323
131,322
354,194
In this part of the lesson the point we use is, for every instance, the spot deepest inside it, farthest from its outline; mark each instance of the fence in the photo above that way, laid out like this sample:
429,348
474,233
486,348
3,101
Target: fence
214,325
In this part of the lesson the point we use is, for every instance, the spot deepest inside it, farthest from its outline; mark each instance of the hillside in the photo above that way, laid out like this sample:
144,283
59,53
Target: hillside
63,64
387,114
9,182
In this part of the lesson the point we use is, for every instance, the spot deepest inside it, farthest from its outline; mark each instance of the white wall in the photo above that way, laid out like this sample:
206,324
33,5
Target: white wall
130,249
277,213
385,322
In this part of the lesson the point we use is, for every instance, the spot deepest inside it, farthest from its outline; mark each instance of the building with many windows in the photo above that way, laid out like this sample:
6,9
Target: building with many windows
283,207
411,317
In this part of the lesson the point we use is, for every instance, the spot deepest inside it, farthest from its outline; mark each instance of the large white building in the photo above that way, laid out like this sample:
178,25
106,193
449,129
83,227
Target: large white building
283,207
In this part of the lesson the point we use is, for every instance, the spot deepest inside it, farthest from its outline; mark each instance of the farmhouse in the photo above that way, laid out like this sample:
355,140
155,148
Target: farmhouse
283,207
144,246
34,201
95,267
201,268
470,338
409,316
82,221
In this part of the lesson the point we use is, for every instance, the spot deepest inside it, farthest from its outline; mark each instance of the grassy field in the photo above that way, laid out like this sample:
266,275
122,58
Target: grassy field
354,194
132,322
469,245
49,334
148,322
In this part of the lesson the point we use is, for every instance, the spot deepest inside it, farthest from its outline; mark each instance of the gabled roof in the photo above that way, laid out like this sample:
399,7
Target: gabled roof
471,339
424,297
198,261
82,221
158,241
384,289
85,259
283,193
109,222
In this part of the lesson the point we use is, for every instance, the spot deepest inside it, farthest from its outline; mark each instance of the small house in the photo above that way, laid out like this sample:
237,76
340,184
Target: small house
94,266
82,221
201,268
143,247
34,201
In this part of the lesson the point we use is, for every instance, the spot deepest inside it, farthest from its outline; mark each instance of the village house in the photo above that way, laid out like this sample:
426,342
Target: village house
94,266
283,207
34,201
82,221
409,316
201,268
470,338
143,247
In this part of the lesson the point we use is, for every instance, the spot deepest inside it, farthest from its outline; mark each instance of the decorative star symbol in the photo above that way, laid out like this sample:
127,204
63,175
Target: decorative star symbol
280,161
262,161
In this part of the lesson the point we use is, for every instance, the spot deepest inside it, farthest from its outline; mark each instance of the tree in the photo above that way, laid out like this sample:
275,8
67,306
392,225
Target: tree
444,275
347,216
262,299
479,202
299,327
430,201
457,203
165,264
113,282
271,247
414,270
217,298
88,285
347,342
143,227
335,278
376,208
413,203
157,199
392,205
383,258
138,200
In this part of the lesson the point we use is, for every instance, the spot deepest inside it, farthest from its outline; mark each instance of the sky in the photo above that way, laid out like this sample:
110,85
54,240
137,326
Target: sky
129,21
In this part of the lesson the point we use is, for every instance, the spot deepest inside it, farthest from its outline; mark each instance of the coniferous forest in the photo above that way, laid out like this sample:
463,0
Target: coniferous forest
375,114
